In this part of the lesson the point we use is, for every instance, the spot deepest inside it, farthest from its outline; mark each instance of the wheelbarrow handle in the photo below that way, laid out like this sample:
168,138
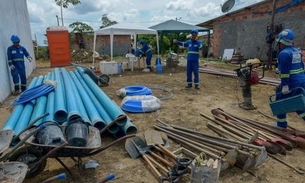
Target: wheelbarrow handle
107,178
9,154
57,177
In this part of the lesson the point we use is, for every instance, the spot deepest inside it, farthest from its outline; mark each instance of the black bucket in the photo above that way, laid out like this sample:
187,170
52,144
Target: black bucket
51,135
77,133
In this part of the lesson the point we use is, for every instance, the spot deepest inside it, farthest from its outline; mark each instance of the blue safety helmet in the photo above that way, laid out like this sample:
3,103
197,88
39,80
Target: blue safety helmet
286,37
194,31
141,41
15,39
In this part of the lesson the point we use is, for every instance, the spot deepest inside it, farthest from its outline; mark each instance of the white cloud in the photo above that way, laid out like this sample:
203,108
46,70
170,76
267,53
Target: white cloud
43,12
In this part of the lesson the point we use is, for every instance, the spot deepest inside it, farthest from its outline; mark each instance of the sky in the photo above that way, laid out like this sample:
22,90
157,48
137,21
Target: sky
44,13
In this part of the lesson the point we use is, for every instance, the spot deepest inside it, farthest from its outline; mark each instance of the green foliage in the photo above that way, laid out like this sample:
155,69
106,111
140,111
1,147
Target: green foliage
42,53
65,3
80,27
106,22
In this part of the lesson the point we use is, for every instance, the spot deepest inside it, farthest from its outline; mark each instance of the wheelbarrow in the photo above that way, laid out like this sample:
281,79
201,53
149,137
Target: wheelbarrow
33,152
13,172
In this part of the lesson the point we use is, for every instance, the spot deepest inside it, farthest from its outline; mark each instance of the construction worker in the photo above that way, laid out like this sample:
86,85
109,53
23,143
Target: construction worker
146,51
291,72
15,57
192,66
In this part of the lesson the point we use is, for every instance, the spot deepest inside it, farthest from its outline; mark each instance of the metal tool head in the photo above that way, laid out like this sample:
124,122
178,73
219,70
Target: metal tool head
6,137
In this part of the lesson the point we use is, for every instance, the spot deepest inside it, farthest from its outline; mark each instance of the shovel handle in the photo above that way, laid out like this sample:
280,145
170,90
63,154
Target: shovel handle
156,172
168,152
161,159
285,163
157,164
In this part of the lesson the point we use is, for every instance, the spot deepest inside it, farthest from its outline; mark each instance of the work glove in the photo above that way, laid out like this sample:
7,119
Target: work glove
12,67
30,59
285,89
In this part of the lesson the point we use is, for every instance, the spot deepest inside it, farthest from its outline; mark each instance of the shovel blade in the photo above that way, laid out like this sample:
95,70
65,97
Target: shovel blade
131,149
249,164
231,156
261,158
153,137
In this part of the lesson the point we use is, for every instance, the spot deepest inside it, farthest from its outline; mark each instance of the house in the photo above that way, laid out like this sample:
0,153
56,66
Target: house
14,20
246,28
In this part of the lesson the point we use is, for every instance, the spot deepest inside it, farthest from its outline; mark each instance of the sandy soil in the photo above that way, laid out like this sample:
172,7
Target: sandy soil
182,109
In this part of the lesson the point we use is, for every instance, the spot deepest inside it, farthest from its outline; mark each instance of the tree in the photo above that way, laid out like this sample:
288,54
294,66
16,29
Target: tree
77,34
106,22
80,27
65,4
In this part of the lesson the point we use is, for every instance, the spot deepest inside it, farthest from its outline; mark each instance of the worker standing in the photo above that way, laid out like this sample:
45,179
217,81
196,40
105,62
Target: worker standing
192,66
146,51
291,72
15,56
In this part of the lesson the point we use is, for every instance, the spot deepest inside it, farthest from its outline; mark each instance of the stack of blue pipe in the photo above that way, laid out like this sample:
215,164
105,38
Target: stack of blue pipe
75,95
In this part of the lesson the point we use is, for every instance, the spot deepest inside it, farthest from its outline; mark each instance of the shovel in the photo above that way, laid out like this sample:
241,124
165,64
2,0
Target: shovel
135,151
153,137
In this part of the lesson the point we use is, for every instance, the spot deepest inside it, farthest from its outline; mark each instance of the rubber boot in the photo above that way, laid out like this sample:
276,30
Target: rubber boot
189,86
197,87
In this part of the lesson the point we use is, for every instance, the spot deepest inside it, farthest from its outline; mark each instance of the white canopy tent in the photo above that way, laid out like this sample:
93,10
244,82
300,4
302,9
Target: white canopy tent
124,29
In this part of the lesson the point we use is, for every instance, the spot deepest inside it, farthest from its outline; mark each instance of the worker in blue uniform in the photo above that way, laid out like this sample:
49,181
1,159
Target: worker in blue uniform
146,51
291,72
15,57
194,46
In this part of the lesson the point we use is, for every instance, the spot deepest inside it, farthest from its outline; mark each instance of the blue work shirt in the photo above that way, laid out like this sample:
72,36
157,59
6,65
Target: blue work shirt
145,50
193,48
15,55
291,67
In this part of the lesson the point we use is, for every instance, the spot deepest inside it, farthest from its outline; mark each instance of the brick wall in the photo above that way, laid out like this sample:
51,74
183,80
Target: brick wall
246,29
121,44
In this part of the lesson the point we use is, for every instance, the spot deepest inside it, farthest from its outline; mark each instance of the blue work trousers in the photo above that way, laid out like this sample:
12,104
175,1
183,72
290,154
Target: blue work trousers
192,67
19,72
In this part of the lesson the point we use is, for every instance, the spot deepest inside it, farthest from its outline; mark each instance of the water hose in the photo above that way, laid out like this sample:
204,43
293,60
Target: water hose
165,90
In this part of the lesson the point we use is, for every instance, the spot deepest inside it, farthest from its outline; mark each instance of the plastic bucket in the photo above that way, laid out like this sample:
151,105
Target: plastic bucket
51,135
77,133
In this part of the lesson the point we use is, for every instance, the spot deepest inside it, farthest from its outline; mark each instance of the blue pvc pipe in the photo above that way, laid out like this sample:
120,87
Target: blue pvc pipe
24,119
72,109
119,134
50,103
80,103
93,113
14,117
98,106
113,110
40,107
129,128
60,114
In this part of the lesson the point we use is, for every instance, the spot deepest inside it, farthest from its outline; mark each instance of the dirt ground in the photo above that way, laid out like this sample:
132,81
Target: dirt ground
182,109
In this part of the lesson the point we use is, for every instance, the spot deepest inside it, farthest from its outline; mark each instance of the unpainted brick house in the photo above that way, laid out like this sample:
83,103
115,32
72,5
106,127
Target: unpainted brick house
121,43
246,28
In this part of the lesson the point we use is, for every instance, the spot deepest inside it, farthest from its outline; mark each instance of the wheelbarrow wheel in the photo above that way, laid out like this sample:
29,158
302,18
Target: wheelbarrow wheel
30,155
104,79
